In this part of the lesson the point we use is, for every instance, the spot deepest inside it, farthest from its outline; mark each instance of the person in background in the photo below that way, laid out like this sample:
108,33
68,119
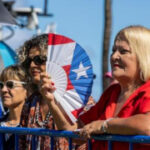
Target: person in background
91,102
13,92
123,108
110,79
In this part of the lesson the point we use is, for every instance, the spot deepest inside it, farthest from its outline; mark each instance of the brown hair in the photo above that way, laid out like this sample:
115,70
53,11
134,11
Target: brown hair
14,72
40,42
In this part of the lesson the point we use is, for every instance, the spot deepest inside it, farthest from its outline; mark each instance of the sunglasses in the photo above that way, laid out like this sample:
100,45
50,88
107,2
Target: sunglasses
10,84
38,60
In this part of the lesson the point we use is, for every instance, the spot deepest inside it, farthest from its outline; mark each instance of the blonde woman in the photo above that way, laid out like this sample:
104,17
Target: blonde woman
124,108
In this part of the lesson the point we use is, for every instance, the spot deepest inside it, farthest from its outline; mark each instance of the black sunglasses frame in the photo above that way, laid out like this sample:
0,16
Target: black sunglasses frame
38,60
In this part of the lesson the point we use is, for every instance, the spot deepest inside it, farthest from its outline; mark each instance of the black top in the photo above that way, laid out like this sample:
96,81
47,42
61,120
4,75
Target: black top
8,140
9,144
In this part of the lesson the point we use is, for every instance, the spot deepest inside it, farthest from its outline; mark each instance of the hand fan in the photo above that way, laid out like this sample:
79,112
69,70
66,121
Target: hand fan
71,70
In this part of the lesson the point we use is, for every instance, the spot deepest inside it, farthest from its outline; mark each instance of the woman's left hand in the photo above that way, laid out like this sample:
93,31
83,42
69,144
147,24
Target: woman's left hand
91,128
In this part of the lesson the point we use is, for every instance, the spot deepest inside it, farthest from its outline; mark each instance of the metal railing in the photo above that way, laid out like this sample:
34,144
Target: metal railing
70,135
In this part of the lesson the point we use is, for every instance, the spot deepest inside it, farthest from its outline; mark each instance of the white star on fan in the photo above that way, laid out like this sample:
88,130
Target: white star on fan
81,71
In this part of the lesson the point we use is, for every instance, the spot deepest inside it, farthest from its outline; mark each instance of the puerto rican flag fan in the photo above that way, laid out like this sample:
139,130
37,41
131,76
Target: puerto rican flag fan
71,70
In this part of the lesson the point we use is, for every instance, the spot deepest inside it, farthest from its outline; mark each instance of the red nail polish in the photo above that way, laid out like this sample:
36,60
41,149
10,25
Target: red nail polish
53,83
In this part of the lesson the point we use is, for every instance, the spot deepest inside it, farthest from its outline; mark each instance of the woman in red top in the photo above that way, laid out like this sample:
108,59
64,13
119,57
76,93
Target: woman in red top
124,108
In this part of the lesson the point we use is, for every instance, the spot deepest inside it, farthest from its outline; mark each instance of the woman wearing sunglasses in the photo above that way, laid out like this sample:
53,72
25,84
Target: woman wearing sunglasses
13,91
36,113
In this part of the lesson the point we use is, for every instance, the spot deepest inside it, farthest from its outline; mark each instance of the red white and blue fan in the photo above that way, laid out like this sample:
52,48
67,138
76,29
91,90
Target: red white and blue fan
71,70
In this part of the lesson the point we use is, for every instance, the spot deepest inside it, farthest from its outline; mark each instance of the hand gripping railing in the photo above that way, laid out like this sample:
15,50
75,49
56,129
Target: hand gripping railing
70,135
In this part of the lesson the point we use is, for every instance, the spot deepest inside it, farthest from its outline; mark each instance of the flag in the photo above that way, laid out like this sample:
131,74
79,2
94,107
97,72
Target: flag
71,70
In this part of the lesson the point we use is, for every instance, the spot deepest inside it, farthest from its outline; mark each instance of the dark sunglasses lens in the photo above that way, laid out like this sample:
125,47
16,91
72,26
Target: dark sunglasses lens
1,85
39,60
10,84
27,62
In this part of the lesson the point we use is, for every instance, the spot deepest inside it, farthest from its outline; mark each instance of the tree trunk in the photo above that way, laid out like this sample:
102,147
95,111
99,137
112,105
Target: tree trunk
106,42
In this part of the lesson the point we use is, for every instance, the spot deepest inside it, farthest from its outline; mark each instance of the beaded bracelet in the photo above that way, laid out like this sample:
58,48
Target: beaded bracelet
104,125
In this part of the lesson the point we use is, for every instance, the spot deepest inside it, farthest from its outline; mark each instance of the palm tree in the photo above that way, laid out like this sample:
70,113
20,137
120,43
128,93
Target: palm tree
106,42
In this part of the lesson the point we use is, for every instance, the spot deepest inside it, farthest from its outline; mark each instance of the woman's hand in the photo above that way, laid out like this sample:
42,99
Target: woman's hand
91,128
47,87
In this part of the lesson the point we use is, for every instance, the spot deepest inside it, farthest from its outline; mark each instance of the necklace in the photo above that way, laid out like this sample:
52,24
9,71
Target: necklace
38,115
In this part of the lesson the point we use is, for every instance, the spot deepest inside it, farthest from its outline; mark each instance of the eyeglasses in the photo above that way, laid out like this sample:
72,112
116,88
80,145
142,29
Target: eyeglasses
10,84
38,60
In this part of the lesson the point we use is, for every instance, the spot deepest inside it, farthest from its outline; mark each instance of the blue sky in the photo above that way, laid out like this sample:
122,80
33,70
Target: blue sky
82,21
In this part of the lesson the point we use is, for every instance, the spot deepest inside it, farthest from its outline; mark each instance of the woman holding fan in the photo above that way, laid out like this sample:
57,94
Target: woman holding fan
36,112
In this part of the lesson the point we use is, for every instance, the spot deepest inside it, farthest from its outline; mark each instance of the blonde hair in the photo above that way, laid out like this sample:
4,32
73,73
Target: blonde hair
138,38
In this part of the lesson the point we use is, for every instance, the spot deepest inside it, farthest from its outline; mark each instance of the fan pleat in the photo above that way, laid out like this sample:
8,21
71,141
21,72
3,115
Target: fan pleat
73,99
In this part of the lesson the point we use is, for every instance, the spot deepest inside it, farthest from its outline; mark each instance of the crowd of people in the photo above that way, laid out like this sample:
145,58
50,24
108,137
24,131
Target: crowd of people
27,91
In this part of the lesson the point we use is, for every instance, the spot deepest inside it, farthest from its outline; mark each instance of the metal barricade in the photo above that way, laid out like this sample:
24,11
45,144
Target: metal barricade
70,135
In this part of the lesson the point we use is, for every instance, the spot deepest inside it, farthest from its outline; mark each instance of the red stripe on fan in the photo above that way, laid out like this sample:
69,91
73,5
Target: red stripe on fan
77,112
55,39
69,84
